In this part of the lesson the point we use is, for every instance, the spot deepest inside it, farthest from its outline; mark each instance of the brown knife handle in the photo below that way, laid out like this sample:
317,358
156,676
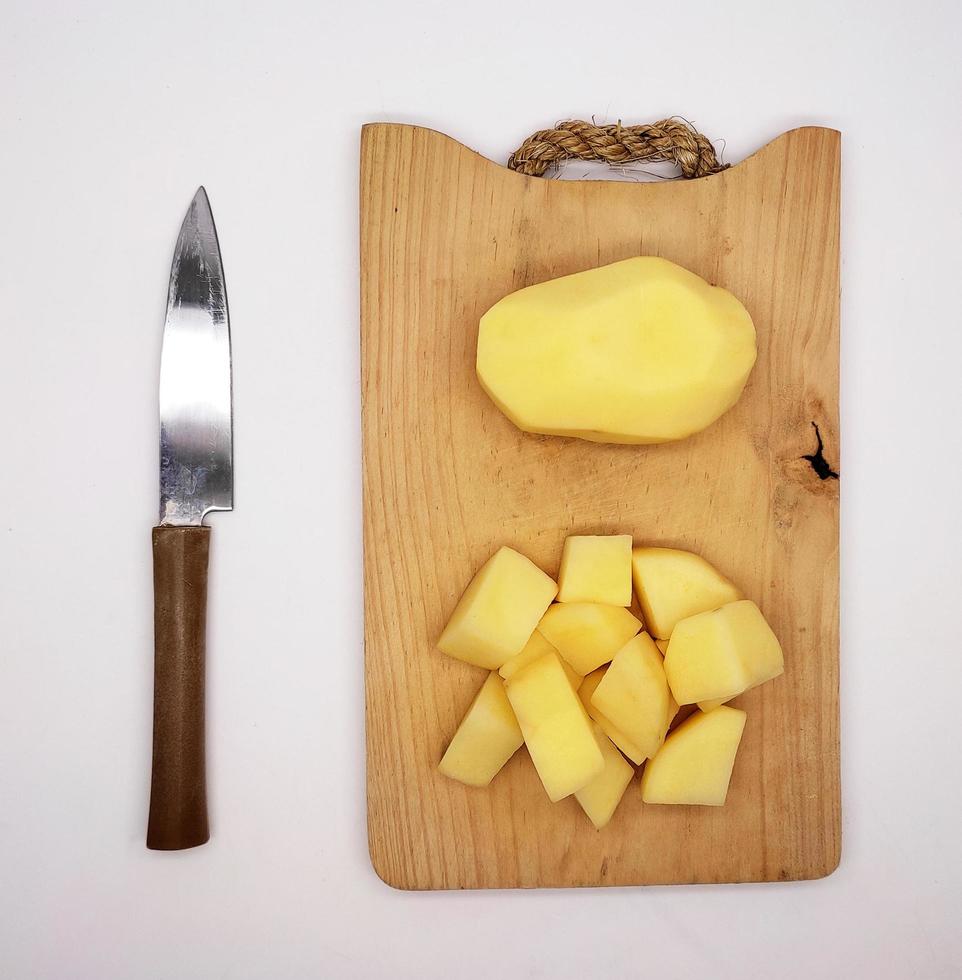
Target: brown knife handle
178,781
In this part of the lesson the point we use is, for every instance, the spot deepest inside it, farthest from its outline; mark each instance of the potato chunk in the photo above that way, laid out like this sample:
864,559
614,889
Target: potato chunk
639,351
486,738
695,764
634,695
536,647
600,798
556,729
673,707
596,568
672,585
587,634
718,654
585,692
499,610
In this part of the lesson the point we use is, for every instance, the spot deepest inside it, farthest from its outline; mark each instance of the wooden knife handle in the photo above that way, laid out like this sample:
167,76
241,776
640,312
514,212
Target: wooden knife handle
178,781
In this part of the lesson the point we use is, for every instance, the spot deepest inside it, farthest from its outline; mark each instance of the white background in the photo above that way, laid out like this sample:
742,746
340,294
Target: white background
110,115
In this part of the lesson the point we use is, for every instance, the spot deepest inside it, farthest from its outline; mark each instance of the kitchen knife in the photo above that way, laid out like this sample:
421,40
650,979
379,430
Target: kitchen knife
196,477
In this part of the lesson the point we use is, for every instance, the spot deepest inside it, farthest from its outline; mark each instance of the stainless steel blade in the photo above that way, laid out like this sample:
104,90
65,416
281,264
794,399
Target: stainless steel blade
196,439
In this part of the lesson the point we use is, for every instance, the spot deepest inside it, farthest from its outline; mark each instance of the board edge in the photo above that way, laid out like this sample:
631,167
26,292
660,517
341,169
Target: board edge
370,129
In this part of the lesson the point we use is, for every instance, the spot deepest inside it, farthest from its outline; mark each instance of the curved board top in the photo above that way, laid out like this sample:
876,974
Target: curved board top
445,233
370,129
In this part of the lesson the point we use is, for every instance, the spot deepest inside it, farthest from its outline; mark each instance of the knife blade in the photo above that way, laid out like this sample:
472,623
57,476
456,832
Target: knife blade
196,478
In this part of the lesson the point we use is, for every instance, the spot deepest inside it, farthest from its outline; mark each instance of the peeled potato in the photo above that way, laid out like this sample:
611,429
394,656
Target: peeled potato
639,351
596,568
633,694
587,634
499,610
716,655
586,692
695,764
537,647
486,738
672,585
585,685
556,729
600,798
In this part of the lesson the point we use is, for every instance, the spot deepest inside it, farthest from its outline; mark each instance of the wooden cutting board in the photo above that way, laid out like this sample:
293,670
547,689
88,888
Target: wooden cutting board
448,479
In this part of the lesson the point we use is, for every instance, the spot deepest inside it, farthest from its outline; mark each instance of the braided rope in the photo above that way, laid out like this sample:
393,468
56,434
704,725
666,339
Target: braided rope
673,140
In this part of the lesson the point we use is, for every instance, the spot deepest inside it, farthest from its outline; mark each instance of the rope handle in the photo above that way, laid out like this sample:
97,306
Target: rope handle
672,140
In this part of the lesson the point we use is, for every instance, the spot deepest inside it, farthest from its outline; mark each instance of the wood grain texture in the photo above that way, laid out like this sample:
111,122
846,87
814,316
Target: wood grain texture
447,479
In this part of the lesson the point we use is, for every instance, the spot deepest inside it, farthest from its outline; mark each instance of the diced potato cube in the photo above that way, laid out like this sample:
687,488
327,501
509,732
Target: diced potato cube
672,585
556,729
596,568
721,653
536,647
587,634
634,695
585,692
499,610
662,646
694,766
600,798
487,737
